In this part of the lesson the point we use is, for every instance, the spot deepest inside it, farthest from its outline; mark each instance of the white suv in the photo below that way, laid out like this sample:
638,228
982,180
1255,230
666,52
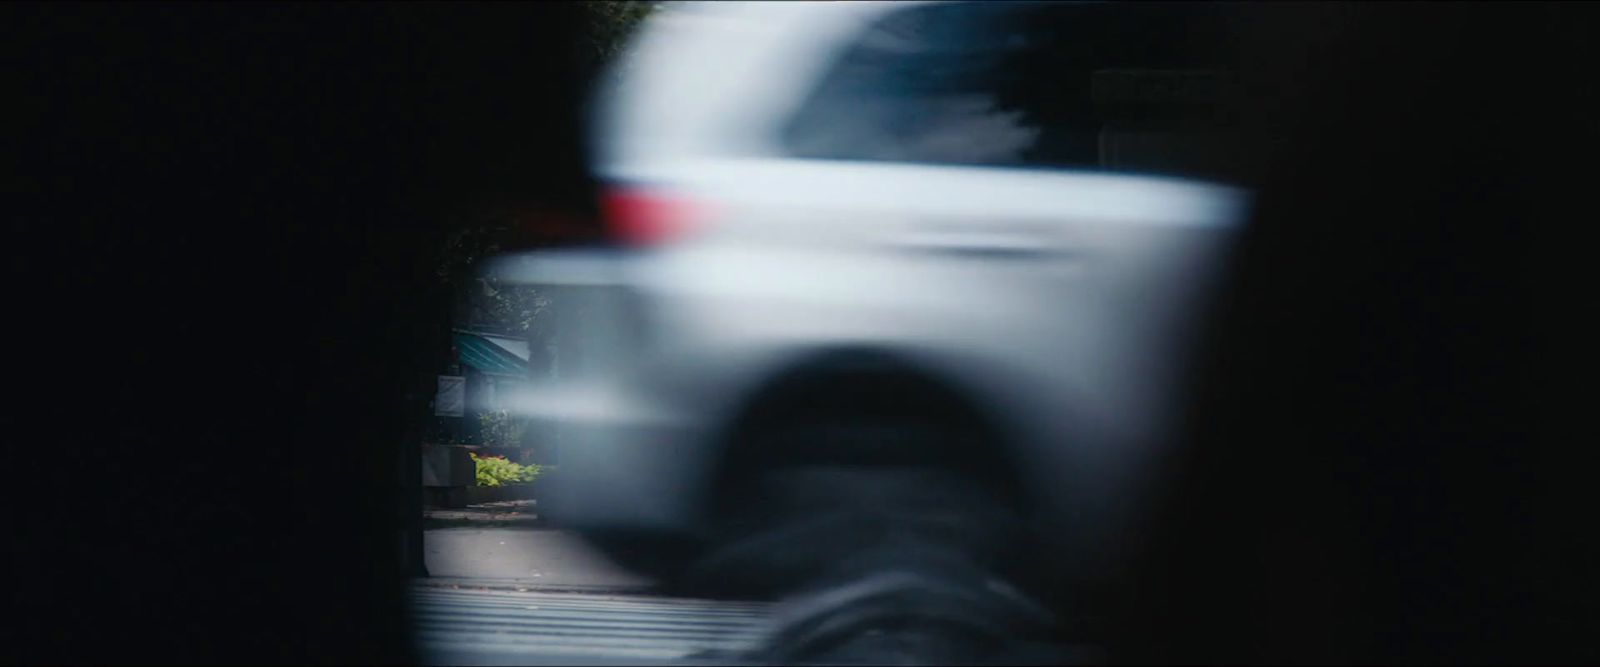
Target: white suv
913,257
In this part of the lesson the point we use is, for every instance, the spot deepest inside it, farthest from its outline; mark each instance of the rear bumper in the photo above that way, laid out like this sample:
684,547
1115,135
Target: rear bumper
622,472
622,461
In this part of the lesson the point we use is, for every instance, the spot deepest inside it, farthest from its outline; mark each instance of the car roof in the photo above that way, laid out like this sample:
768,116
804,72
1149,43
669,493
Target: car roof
713,78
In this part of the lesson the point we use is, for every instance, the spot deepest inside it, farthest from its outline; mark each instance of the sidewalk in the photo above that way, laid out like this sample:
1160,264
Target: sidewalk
481,551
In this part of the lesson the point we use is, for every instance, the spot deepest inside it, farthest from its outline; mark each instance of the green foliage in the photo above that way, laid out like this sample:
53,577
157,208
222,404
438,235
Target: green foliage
490,229
483,230
484,304
499,471
512,307
611,22
498,428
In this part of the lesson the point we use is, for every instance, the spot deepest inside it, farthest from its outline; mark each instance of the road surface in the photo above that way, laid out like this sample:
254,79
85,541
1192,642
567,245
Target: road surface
530,596
534,558
521,595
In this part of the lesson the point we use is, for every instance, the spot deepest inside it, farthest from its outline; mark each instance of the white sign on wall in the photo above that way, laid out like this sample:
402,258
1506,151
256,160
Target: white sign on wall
451,398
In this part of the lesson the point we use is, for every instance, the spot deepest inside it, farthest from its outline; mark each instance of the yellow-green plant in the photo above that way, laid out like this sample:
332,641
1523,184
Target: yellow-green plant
499,471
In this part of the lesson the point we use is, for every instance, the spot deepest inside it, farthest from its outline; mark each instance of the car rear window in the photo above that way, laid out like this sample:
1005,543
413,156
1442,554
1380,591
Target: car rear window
1115,86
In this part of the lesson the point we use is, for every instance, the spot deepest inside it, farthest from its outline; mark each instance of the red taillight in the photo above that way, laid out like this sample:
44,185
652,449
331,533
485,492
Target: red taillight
640,217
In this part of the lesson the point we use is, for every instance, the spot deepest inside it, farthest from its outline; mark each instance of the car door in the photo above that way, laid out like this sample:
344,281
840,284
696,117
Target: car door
1048,170
1045,188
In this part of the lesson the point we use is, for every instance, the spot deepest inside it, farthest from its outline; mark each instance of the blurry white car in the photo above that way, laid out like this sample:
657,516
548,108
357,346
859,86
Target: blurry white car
905,257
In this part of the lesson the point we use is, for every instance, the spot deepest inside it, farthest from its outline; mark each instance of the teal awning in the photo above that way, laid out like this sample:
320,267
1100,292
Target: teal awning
479,352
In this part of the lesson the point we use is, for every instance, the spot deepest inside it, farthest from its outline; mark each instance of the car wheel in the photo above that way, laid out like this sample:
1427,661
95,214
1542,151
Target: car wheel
884,543
917,607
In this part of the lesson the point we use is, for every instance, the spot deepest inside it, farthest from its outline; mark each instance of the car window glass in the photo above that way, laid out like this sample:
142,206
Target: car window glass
1118,86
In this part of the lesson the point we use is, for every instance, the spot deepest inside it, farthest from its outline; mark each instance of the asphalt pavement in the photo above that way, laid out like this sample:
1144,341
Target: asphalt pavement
535,596
528,595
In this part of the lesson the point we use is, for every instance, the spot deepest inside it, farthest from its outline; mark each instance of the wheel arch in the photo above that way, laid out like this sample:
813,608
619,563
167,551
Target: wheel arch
849,381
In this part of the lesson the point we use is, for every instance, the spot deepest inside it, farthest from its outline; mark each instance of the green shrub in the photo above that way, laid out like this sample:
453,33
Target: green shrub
499,471
497,428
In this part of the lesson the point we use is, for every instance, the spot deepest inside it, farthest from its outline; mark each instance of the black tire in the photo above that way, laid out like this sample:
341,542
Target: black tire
882,548
831,493
912,607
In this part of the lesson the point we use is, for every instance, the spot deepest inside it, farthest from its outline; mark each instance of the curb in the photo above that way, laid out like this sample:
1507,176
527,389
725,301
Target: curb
535,522
530,586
